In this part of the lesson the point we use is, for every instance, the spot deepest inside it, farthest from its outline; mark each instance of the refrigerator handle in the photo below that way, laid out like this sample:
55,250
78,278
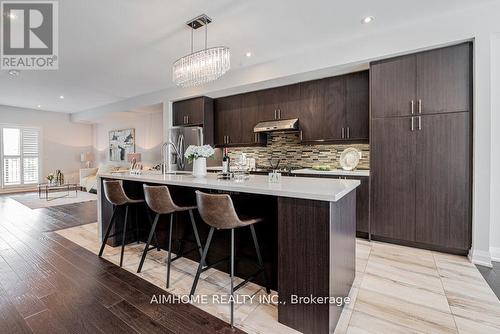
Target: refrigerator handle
180,148
200,130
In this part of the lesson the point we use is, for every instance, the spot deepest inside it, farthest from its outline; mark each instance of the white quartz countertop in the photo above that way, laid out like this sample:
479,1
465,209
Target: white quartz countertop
312,188
339,172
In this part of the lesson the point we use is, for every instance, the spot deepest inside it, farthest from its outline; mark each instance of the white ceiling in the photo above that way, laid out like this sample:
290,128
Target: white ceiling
116,49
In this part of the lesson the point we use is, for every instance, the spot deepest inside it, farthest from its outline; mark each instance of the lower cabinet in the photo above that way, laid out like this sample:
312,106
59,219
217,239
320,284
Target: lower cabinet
421,180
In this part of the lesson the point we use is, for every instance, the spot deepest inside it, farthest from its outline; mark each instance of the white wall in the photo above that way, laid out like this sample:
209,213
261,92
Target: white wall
495,151
62,141
478,24
148,134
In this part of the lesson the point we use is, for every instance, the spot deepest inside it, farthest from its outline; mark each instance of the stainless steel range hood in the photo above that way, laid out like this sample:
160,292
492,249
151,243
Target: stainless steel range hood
277,125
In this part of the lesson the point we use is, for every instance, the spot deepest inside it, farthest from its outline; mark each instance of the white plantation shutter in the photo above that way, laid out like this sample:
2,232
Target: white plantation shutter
20,149
30,155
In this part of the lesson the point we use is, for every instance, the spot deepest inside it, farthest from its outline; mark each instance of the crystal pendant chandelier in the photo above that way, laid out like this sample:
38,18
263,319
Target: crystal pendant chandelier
201,66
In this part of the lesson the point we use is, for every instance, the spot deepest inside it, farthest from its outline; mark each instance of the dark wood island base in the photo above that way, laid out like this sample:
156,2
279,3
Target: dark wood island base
308,247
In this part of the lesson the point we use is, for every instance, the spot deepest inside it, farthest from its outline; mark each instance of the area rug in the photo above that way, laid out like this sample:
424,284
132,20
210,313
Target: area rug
32,201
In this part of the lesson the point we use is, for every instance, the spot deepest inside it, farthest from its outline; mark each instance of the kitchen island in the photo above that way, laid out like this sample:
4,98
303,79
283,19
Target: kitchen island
307,237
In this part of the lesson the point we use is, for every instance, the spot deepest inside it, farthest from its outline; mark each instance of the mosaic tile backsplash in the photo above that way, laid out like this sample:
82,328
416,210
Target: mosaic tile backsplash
287,147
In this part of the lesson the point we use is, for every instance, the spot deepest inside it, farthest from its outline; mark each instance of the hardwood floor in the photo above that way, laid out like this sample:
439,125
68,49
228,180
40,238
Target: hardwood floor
48,284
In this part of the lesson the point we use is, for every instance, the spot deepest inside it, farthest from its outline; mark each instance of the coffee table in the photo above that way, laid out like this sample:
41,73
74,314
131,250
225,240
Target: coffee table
47,188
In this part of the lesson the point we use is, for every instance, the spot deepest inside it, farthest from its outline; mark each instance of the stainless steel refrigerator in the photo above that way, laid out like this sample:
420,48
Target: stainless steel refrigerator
180,138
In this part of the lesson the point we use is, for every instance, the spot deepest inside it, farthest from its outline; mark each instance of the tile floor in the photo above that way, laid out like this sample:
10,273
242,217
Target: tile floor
492,276
397,290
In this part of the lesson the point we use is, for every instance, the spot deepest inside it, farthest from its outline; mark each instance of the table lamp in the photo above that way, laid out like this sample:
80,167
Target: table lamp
133,158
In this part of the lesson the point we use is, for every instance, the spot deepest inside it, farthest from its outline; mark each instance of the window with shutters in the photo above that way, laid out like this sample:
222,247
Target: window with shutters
19,155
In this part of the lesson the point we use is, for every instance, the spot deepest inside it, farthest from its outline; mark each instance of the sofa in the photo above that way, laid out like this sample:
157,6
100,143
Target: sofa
88,179
88,176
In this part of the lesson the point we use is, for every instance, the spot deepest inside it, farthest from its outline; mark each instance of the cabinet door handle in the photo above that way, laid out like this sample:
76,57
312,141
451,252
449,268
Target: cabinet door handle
228,139
419,123
224,139
343,131
412,104
275,114
419,106
279,113
412,124
348,132
255,138
187,119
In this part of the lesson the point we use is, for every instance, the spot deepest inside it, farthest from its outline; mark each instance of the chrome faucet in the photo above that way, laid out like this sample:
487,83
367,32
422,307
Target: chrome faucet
164,155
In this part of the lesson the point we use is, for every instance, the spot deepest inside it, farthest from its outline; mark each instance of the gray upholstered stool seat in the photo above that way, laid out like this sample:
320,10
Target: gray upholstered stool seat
113,190
160,201
217,210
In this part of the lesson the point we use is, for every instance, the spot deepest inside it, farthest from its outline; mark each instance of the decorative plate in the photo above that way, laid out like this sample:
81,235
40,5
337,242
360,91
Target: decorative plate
349,158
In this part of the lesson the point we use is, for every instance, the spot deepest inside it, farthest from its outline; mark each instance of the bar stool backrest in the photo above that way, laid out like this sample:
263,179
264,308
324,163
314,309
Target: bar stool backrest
113,190
217,210
159,200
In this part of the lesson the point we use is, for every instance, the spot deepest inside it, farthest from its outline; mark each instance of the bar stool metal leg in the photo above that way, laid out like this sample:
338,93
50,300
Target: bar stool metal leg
111,222
136,211
146,249
232,278
151,224
196,235
124,235
259,257
203,258
169,258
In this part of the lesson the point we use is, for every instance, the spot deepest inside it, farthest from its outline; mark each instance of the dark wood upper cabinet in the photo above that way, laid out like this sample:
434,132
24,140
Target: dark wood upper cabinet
333,117
444,80
393,86
311,121
227,120
358,105
293,104
270,101
279,102
198,111
192,111
428,82
392,174
443,180
329,110
335,109
250,115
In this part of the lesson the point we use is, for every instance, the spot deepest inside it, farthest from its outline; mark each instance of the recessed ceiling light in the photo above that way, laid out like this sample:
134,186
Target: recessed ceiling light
39,106
12,16
248,54
14,73
61,97
367,19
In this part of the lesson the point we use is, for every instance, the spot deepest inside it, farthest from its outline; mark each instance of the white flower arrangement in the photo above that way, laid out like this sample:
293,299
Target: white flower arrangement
194,152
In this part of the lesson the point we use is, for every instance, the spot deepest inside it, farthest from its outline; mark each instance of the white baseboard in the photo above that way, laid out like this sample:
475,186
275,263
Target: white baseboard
482,258
495,254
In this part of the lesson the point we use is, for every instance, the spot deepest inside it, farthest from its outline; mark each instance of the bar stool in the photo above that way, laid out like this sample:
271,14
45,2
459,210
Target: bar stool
113,190
159,201
218,212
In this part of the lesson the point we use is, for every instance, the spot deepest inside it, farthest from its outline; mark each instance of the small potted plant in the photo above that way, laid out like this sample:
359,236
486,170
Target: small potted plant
50,178
197,155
